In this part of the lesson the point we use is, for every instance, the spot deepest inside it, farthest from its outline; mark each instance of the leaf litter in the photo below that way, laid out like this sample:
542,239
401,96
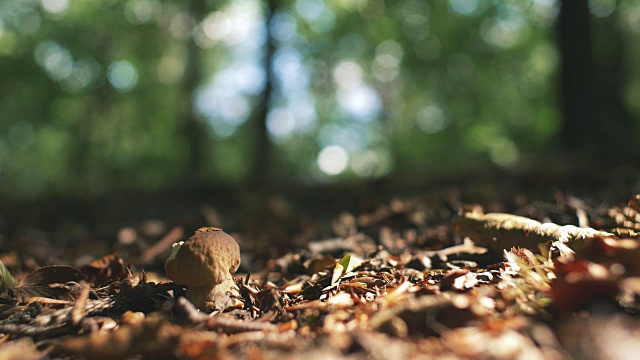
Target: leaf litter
397,282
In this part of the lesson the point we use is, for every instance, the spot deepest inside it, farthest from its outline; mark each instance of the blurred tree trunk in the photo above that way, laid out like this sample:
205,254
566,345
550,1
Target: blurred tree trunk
596,122
610,81
580,126
80,154
259,173
82,159
193,128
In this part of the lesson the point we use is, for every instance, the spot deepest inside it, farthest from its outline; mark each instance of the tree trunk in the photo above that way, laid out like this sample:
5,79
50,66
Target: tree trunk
610,81
259,173
193,128
596,122
580,125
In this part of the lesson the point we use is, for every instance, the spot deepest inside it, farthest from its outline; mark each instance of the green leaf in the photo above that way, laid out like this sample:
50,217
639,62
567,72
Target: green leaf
344,266
6,280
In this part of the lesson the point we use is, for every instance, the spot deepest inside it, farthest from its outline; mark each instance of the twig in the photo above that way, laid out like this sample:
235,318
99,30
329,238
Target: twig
231,325
222,322
78,309
34,331
499,232
191,313
286,339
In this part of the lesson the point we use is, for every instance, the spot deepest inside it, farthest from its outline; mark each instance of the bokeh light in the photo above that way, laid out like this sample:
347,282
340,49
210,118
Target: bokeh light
333,160
431,119
55,59
464,7
602,8
142,11
388,59
280,123
21,135
364,163
55,6
122,75
315,12
507,28
283,27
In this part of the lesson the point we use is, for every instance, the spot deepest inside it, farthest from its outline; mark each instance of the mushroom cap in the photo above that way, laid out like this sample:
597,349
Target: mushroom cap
207,258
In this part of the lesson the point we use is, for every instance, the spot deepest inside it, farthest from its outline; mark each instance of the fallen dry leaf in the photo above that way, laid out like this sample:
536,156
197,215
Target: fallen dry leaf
107,269
55,282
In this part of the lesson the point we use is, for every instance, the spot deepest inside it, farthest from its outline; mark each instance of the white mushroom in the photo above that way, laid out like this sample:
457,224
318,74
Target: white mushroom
205,263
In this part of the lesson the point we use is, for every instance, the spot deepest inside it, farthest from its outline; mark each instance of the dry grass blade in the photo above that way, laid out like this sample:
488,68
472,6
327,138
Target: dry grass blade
526,281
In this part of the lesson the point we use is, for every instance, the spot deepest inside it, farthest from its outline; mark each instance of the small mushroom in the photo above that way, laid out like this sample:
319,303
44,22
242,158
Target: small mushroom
205,263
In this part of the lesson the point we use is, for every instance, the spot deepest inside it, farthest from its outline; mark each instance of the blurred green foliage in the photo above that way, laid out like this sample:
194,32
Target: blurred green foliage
93,95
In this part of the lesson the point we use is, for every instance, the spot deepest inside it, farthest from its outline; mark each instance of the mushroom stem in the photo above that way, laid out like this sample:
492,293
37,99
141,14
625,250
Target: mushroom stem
201,295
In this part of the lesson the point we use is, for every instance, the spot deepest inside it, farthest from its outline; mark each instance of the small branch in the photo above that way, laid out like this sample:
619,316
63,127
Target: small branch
231,325
78,310
222,322
499,232
35,331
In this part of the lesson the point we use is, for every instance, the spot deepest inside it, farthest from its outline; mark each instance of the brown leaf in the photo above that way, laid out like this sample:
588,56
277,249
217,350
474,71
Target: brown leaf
580,283
55,282
54,274
608,250
105,270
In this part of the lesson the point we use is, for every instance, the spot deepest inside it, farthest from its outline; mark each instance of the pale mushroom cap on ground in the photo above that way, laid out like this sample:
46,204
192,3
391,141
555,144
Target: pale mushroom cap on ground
209,257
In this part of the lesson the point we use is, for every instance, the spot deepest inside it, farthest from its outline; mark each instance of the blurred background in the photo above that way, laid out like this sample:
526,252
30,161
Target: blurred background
108,103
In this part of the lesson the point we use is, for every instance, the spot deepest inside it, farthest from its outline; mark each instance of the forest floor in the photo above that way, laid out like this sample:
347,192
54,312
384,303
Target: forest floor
400,277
